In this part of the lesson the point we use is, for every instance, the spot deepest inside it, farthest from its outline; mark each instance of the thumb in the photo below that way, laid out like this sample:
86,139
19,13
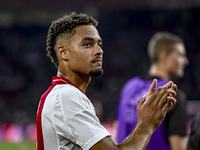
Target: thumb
152,88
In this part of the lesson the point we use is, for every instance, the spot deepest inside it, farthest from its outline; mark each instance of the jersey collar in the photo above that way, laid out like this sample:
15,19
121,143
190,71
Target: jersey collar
61,80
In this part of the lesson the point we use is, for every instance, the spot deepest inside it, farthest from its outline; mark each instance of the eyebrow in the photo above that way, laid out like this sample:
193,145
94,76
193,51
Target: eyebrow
91,39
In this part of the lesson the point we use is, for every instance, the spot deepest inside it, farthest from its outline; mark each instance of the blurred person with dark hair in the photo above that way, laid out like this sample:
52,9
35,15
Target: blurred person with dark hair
194,138
168,59
66,118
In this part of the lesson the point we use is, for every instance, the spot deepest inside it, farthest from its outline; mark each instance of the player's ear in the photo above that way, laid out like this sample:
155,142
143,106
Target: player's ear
163,55
62,52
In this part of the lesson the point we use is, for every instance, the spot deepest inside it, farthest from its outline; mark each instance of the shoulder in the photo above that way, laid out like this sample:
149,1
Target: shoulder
68,95
133,89
132,82
71,100
67,90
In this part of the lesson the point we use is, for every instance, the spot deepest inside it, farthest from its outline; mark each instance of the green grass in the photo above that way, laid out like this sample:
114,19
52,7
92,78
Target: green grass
18,146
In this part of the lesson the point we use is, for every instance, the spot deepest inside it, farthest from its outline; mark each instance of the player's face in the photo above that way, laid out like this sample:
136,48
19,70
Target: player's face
177,61
85,52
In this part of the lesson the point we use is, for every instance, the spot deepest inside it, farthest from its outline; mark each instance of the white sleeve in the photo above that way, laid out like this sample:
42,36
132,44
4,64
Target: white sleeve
77,120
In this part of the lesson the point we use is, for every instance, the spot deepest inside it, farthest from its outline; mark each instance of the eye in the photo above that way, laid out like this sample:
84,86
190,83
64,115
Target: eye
87,44
100,45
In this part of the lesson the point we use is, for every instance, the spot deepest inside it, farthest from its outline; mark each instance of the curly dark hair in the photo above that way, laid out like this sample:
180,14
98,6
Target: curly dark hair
65,26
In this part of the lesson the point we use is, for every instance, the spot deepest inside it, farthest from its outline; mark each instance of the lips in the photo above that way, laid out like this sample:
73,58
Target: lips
97,60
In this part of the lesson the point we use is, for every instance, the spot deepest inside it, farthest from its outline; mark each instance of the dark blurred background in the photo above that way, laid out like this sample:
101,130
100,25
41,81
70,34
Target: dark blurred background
125,27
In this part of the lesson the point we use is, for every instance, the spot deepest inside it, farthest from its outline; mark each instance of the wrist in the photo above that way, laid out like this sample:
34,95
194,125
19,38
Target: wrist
145,128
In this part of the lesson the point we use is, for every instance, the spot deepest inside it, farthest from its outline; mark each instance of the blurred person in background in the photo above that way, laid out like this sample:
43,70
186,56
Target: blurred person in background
194,138
66,118
168,59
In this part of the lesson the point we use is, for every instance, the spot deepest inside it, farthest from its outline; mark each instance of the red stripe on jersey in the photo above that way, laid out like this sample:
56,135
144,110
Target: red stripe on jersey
56,80
40,143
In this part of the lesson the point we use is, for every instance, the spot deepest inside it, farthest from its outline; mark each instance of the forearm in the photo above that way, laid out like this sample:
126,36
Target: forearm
138,139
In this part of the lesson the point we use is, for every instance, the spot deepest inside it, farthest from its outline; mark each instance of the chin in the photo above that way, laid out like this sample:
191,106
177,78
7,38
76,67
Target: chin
96,72
179,75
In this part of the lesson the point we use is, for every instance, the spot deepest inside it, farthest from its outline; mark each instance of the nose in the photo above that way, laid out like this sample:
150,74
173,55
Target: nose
98,50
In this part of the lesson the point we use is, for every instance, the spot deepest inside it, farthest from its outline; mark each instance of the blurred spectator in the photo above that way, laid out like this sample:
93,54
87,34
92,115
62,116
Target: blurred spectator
31,132
13,133
194,138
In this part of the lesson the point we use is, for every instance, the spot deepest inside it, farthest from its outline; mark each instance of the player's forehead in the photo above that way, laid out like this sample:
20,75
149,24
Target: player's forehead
179,48
86,32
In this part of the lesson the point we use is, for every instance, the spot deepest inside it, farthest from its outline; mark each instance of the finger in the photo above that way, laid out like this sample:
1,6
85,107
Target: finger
164,98
152,88
161,99
171,101
140,102
174,87
172,93
153,96
171,85
168,84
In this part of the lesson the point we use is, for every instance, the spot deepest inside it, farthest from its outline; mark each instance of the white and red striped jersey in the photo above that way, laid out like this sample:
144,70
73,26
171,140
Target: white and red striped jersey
66,119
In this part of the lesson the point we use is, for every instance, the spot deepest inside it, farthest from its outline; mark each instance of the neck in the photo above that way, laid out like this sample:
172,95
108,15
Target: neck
81,82
159,71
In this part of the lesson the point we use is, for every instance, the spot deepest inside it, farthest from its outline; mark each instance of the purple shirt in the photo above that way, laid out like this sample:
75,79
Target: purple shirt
132,91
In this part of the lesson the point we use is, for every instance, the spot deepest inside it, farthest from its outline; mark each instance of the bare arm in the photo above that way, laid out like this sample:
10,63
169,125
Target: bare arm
177,142
151,111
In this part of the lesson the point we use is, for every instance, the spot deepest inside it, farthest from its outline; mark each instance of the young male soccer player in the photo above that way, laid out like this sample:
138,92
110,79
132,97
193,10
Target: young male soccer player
66,117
